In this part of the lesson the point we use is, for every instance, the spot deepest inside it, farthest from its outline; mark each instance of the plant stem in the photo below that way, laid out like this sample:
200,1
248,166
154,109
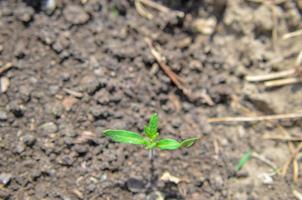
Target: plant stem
151,170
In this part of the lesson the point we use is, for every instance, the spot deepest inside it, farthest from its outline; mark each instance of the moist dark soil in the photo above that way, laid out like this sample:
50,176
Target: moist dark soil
86,67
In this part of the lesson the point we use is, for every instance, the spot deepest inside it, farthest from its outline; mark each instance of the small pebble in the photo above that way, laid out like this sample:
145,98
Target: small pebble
266,178
135,185
96,111
155,196
25,92
75,14
217,181
68,102
20,148
4,84
80,149
16,109
53,89
24,14
29,140
68,141
3,116
91,187
48,128
36,174
49,6
5,178
55,108
66,160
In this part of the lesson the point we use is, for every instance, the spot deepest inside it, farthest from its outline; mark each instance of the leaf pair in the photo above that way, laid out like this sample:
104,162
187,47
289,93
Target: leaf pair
151,141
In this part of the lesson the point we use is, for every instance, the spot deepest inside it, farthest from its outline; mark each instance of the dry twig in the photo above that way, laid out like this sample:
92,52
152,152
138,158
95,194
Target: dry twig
264,160
299,59
280,78
297,194
263,1
282,138
271,76
295,169
256,118
73,93
174,77
292,34
161,8
141,10
176,80
282,74
281,82
6,67
293,156
290,147
275,24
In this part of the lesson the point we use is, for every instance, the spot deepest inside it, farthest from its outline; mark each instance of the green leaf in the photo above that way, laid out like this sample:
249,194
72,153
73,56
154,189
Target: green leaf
151,129
153,124
123,136
189,142
168,144
243,160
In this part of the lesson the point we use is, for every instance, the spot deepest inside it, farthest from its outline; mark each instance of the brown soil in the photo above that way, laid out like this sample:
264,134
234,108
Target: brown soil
86,68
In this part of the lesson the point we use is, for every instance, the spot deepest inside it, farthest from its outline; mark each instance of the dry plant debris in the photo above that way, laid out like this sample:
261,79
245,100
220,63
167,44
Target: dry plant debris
284,137
6,67
143,12
292,34
286,77
257,118
175,79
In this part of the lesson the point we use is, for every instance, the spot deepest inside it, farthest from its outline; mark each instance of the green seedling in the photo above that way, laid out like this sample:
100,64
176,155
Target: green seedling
150,140
114,12
246,157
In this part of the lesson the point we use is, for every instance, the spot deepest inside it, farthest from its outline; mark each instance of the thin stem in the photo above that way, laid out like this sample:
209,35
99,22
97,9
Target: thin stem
151,169
151,152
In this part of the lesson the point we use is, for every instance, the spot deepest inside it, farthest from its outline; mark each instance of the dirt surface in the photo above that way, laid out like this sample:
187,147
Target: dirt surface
86,67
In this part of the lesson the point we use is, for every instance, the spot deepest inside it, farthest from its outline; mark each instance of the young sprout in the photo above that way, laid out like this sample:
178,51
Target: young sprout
246,157
150,140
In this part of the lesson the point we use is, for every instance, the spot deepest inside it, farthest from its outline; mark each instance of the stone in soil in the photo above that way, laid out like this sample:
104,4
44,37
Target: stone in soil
16,109
90,84
36,174
54,108
135,185
80,149
75,14
5,178
20,148
96,111
3,116
156,195
24,14
68,102
29,140
48,128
